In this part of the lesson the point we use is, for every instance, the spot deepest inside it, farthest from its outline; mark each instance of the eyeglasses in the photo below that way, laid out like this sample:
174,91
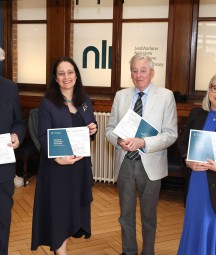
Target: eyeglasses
213,88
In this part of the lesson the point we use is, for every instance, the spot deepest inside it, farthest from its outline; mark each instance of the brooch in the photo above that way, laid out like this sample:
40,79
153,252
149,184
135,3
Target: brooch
84,106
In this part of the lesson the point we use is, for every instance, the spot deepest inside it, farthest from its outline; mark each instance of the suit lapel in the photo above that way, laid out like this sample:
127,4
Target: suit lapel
84,110
127,97
150,101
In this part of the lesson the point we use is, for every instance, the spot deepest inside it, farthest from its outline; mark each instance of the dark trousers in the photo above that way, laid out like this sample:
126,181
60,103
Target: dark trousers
6,203
132,179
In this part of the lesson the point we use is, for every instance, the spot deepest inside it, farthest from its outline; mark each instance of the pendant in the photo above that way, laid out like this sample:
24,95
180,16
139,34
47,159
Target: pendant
84,106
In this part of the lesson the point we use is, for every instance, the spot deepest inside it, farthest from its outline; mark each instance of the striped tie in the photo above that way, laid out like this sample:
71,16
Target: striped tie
132,155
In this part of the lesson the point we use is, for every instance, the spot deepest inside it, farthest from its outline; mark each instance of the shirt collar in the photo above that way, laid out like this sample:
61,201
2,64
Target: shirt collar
146,90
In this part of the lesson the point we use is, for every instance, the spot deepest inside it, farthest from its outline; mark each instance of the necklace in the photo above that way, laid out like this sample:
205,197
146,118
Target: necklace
68,100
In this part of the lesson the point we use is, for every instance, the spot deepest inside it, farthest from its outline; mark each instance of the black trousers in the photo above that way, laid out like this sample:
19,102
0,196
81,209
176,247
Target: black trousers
6,203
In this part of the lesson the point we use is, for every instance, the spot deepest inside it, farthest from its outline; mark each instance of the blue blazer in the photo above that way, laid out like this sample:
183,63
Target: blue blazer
11,121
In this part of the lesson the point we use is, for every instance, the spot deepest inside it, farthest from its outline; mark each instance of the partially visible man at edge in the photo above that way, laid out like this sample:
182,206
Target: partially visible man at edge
11,122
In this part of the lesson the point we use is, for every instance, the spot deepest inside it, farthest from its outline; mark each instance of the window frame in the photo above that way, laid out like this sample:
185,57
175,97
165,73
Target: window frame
195,94
64,49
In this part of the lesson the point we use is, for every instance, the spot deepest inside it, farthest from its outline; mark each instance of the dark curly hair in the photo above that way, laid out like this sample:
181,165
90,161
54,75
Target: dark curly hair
54,93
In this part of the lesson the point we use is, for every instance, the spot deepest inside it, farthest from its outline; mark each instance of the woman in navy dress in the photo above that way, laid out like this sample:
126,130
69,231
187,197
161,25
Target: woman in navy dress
199,230
63,192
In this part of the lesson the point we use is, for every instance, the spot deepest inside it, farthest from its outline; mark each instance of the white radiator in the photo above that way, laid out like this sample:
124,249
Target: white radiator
102,152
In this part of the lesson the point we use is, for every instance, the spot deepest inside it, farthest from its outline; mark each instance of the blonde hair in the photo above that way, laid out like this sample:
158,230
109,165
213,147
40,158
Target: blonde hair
142,57
206,104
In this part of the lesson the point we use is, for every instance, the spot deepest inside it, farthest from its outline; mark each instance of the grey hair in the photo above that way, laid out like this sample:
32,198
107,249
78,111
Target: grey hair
206,104
142,57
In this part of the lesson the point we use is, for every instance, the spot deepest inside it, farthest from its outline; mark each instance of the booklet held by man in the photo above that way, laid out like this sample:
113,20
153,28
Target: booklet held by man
133,125
68,141
6,152
202,146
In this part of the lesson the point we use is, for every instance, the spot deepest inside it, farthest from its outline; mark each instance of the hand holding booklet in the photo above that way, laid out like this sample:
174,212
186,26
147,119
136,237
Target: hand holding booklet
202,146
132,125
68,142
6,152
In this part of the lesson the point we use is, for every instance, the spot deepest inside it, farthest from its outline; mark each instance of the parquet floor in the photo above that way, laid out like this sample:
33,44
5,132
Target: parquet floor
106,236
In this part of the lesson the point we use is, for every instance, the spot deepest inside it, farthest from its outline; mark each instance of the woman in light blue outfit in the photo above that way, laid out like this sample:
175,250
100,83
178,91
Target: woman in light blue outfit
199,230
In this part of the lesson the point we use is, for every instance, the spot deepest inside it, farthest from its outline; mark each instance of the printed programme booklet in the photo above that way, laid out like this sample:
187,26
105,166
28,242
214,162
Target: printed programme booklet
68,141
133,125
6,153
202,146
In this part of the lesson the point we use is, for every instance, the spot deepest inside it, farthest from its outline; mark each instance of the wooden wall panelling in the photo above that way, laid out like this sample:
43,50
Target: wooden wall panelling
27,103
182,24
7,14
99,105
170,44
58,42
30,101
102,105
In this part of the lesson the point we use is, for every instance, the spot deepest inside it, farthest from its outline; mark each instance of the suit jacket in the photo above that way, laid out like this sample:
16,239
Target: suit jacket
52,116
196,120
11,121
160,111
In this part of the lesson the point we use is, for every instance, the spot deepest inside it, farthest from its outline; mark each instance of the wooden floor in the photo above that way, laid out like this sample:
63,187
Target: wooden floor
106,236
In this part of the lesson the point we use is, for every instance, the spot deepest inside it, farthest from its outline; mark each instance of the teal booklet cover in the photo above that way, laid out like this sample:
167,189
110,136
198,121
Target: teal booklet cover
145,130
68,141
201,146
59,143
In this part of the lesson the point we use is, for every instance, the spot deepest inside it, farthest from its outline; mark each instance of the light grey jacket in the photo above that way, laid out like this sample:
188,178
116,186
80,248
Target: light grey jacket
160,111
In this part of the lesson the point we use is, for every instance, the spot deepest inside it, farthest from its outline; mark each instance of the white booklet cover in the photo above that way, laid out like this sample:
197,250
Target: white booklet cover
6,153
133,125
68,141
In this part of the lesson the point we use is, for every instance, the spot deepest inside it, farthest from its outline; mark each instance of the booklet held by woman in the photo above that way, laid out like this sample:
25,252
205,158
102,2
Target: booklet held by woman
201,146
68,141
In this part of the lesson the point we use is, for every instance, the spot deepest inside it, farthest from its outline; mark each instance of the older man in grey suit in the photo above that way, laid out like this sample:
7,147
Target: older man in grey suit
142,173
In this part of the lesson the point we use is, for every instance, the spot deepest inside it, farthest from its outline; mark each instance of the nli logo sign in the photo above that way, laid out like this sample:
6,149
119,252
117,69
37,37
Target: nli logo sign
98,58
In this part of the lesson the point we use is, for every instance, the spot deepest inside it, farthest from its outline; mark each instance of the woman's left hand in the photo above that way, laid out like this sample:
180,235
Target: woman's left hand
197,166
211,165
92,128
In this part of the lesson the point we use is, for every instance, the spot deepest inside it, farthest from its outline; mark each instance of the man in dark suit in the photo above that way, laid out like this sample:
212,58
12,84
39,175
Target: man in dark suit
11,122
